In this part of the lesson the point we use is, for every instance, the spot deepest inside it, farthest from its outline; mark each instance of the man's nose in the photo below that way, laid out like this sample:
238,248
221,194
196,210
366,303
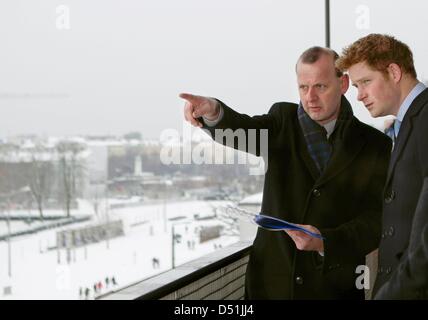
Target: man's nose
311,95
361,95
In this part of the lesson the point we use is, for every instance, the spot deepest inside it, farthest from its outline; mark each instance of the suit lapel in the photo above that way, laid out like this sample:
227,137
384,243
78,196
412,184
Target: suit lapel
405,130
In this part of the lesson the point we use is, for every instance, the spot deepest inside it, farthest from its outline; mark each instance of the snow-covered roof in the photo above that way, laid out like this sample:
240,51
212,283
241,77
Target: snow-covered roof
254,199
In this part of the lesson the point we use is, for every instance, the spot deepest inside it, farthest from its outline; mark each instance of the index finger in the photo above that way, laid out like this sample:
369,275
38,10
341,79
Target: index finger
191,98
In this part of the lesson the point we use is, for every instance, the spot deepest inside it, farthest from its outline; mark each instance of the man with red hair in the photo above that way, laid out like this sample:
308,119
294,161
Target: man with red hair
381,68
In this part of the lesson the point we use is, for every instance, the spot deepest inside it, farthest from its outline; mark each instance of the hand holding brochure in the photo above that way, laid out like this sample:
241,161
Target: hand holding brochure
275,224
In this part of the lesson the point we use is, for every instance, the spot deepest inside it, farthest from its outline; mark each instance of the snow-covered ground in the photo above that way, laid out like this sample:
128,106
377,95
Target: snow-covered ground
36,273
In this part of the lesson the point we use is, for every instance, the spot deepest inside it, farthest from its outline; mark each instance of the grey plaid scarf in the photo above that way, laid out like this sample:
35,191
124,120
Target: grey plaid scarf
316,136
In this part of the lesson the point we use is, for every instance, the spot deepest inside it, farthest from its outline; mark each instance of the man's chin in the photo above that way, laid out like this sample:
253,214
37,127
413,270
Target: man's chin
375,113
315,116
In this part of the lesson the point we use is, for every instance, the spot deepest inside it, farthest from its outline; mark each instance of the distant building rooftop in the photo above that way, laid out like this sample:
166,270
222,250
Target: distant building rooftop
255,199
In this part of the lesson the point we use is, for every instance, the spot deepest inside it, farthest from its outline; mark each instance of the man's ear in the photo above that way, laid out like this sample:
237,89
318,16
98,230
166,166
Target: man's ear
395,72
344,83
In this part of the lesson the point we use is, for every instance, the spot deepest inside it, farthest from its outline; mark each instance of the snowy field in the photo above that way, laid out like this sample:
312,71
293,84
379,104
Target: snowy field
36,273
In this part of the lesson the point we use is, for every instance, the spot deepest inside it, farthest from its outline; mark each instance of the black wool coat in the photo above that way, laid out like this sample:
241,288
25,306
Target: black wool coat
403,251
344,203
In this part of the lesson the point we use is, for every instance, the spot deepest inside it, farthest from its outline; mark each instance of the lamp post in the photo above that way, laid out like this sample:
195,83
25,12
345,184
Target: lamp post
7,198
167,183
7,287
174,239
9,248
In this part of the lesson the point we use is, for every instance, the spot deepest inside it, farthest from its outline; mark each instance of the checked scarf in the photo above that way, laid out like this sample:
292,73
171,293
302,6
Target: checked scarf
315,135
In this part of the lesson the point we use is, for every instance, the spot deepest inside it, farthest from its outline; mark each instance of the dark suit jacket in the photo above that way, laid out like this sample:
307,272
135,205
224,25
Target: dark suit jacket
344,203
403,249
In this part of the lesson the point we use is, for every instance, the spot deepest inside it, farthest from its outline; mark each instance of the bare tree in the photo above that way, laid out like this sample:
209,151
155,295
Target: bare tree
71,170
40,178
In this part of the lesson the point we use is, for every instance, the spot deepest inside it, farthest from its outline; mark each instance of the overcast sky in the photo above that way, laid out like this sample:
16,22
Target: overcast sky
120,65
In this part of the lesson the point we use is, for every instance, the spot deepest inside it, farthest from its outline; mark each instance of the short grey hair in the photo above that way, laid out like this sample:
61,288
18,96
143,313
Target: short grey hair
313,54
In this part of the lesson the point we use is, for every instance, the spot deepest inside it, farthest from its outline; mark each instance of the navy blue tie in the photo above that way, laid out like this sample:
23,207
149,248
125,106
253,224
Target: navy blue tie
390,132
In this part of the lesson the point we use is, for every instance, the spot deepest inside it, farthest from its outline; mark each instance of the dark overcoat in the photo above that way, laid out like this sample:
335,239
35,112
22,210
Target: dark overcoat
403,251
344,203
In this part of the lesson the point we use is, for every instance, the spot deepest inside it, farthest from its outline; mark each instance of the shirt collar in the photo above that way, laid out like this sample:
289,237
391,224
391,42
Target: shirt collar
329,127
409,99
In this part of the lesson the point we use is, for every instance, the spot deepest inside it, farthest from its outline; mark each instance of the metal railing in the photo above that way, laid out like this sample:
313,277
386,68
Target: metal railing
216,276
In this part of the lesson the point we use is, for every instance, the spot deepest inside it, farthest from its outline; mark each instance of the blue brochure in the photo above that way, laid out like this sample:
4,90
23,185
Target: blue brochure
275,224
